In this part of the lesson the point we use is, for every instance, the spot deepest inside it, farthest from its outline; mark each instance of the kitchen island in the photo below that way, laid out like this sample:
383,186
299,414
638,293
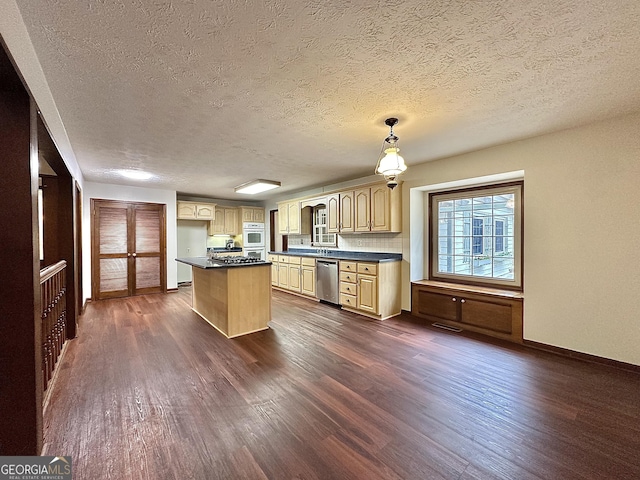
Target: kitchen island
235,298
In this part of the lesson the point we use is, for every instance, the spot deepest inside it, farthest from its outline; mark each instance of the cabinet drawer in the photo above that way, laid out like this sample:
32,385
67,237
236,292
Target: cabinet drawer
310,262
368,268
348,266
283,259
349,300
273,258
348,288
295,260
347,277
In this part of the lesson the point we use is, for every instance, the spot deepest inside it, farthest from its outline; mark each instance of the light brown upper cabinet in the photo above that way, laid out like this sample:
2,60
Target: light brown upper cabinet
195,211
340,212
289,219
128,248
378,209
225,222
252,214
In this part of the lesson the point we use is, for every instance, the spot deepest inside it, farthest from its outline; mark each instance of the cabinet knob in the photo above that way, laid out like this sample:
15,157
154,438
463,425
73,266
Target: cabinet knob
453,299
134,254
462,301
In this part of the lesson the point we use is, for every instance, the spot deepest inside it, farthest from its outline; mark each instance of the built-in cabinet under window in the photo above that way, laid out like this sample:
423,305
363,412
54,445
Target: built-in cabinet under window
485,310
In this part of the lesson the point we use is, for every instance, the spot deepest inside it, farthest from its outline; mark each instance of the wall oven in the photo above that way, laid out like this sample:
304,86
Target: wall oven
253,235
255,253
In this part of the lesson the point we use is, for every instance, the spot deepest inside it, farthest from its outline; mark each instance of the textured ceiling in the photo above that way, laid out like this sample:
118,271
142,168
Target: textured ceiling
210,94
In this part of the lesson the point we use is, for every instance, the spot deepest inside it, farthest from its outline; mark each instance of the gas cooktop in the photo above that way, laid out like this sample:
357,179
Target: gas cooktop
234,259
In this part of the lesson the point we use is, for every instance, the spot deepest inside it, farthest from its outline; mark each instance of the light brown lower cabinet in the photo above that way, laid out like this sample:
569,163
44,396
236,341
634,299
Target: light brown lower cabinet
490,311
367,288
294,274
371,289
308,277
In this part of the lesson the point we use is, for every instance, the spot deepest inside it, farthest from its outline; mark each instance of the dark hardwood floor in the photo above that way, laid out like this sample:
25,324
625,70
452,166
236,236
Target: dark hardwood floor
151,391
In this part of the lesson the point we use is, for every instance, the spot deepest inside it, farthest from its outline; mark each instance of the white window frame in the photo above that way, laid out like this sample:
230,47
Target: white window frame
488,235
321,229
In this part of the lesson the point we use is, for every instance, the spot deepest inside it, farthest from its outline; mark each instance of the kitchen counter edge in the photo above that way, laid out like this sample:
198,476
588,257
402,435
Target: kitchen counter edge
205,263
348,256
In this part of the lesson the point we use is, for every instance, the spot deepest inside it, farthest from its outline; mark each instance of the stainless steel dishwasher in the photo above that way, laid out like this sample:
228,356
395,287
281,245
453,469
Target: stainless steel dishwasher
327,281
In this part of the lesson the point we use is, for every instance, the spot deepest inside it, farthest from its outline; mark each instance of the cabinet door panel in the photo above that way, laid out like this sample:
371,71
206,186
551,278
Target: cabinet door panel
294,278
486,314
347,212
204,212
367,293
186,211
333,218
258,215
437,305
309,281
283,275
230,221
283,218
274,273
380,209
362,210
294,217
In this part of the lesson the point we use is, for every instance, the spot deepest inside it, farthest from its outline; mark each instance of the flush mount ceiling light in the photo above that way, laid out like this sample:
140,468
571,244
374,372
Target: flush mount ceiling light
256,186
390,163
135,174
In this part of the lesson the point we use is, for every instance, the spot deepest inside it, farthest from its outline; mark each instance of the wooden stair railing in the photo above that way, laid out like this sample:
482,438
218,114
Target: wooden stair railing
54,316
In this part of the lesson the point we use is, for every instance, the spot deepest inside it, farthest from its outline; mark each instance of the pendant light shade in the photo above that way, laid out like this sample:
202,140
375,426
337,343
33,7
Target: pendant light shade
390,164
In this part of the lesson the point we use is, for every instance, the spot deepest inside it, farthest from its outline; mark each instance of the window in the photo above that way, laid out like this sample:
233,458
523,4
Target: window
321,235
476,236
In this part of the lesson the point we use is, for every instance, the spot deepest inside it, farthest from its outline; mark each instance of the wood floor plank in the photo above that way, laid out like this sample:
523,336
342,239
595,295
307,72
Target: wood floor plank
150,391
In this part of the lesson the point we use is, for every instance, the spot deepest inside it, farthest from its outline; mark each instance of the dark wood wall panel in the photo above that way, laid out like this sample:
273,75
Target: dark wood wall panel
20,359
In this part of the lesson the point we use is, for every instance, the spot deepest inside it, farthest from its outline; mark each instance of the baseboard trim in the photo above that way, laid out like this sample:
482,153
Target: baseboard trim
54,377
172,290
585,357
565,352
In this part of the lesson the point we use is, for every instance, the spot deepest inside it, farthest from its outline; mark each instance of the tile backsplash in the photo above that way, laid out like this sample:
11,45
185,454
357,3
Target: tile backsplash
365,242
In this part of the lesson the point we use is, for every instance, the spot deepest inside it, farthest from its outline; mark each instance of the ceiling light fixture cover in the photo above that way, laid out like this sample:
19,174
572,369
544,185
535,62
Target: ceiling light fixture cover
135,174
256,186
390,163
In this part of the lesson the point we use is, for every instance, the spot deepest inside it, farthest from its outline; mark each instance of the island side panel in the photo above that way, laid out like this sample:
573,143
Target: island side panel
209,296
249,299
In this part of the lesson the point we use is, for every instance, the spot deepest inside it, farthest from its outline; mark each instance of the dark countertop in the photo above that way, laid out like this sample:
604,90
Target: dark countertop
204,262
343,255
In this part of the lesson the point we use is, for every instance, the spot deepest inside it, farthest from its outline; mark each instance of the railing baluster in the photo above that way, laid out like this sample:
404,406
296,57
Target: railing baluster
54,316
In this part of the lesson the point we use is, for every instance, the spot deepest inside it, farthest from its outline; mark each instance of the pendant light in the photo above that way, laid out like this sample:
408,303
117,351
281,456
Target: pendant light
390,163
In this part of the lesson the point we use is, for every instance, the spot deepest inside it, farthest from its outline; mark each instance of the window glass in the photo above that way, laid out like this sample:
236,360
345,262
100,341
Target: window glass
321,235
476,235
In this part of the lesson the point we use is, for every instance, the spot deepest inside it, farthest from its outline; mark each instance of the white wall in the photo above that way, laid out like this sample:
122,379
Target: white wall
191,242
130,194
581,232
